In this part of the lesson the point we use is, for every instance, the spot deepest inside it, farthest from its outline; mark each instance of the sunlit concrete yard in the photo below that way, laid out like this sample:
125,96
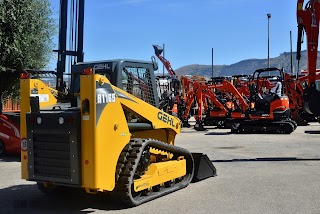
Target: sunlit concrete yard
257,173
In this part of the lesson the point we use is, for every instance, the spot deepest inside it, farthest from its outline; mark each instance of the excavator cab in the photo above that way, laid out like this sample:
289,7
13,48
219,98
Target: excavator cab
267,93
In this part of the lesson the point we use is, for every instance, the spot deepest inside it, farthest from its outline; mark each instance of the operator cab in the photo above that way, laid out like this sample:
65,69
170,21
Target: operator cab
133,76
167,88
265,88
267,84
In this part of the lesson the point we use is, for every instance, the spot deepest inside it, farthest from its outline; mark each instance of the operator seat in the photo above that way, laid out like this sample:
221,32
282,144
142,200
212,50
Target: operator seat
263,102
274,94
277,89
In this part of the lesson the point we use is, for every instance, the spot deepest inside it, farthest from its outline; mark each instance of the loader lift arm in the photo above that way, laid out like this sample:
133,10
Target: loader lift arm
158,51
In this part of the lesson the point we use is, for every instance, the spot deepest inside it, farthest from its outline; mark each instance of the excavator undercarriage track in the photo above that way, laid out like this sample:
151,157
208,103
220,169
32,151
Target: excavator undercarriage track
129,168
275,127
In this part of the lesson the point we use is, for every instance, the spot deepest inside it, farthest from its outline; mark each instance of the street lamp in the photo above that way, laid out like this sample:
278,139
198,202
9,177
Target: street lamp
269,16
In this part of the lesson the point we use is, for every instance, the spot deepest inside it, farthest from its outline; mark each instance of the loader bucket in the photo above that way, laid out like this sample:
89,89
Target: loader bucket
203,167
157,49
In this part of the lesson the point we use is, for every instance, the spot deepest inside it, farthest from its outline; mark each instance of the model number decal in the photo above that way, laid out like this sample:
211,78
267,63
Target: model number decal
43,98
106,98
165,118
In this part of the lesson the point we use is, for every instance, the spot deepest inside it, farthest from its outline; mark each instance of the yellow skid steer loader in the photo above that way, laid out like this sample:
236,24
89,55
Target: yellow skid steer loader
110,137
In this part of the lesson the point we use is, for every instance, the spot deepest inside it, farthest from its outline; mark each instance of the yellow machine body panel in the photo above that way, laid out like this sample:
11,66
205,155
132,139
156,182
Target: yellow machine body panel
46,95
103,135
158,118
158,173
105,131
25,107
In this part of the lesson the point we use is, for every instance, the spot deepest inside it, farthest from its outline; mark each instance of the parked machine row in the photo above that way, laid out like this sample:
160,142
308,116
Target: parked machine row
115,129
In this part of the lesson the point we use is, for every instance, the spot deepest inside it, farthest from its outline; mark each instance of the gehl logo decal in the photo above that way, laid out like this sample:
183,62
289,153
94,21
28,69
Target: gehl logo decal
165,118
101,66
106,98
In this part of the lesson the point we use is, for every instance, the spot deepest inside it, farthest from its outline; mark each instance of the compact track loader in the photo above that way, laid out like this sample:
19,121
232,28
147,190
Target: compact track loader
111,137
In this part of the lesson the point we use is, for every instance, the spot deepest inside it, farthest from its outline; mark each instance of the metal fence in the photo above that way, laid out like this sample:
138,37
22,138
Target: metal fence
10,105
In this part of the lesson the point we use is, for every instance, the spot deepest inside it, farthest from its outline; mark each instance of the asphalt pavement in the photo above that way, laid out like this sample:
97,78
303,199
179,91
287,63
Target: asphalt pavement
257,173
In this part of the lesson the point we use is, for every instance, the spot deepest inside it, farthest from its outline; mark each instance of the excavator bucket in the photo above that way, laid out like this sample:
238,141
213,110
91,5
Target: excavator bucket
299,120
312,101
157,49
203,167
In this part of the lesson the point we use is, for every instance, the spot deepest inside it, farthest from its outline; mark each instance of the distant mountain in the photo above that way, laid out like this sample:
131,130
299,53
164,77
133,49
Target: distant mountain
247,66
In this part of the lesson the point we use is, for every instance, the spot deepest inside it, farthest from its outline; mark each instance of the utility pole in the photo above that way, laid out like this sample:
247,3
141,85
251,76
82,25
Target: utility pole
163,57
292,69
269,16
212,63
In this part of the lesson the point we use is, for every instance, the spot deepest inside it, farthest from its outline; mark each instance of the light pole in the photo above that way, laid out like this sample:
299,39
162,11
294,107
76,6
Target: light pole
269,16
212,63
163,64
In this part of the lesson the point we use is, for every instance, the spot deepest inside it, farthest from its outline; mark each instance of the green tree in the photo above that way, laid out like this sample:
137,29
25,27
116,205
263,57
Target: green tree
26,32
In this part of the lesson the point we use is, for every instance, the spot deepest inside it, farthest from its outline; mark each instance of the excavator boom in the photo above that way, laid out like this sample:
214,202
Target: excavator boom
308,17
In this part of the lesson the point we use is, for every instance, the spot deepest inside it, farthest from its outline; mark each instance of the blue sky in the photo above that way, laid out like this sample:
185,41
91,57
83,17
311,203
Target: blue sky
236,29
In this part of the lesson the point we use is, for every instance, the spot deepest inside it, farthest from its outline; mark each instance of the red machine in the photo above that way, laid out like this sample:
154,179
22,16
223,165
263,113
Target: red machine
10,142
186,101
295,91
308,21
268,111
222,102
241,83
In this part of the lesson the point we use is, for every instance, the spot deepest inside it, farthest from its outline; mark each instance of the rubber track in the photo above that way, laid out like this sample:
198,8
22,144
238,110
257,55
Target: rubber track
127,166
286,126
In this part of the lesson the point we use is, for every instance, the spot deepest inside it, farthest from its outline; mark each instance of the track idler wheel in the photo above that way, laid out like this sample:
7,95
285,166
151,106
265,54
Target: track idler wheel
288,128
144,161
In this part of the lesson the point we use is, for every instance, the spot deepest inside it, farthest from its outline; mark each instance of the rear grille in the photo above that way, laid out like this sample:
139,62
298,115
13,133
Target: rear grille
52,155
54,149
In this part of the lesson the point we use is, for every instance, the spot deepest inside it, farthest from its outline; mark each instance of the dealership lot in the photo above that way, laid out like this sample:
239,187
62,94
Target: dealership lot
256,174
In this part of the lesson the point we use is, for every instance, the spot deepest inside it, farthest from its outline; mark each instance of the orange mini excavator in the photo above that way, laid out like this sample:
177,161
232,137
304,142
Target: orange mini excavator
266,110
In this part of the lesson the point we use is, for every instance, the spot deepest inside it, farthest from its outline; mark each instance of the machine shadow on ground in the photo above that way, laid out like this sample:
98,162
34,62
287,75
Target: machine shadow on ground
271,159
10,158
23,199
218,133
312,132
